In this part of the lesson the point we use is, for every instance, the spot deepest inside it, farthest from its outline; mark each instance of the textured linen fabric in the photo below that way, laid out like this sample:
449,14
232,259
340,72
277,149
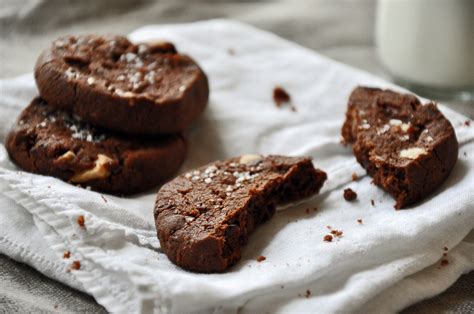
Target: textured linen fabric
340,29
368,269
29,293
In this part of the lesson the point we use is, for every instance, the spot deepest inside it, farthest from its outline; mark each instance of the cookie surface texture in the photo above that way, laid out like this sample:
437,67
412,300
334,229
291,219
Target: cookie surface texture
409,148
205,216
51,142
107,81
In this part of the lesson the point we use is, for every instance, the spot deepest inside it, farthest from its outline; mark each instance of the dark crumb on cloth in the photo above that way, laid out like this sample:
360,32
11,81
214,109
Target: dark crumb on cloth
81,221
349,195
328,238
76,265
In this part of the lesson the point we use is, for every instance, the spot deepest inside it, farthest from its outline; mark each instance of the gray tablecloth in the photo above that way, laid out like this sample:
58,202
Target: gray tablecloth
340,29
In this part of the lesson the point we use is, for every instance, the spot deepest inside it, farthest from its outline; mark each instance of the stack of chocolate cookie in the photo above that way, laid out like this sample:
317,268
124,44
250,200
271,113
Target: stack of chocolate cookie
109,114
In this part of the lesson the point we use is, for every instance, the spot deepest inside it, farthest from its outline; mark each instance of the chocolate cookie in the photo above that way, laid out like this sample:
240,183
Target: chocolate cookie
407,147
204,217
110,82
51,142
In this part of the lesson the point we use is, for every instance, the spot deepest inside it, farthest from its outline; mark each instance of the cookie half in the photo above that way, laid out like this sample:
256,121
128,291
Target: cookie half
407,147
54,143
110,82
205,216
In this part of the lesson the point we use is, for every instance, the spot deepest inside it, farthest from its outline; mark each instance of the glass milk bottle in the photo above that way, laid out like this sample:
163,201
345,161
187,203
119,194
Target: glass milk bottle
428,45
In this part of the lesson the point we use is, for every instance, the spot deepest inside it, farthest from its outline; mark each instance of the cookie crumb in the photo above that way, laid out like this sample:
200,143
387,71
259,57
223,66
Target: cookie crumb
81,221
56,306
360,221
467,123
76,265
337,233
328,238
261,258
444,262
349,195
231,51
372,202
280,96
355,177
308,293
282,287
445,248
67,254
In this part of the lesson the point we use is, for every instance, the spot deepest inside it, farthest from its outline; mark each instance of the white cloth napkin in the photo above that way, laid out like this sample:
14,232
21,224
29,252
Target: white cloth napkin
389,261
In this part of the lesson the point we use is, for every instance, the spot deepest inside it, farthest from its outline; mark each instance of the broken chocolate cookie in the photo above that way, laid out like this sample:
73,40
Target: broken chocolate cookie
205,216
409,148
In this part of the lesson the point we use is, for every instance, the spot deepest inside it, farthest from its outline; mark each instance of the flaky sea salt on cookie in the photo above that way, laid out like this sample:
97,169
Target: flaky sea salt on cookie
55,143
205,216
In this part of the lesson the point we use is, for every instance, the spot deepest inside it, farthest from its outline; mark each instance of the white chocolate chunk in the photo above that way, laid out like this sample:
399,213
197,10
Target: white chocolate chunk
405,127
395,122
100,170
379,158
67,156
383,130
128,56
365,125
189,218
210,169
90,80
399,123
71,73
249,158
126,94
412,153
142,48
